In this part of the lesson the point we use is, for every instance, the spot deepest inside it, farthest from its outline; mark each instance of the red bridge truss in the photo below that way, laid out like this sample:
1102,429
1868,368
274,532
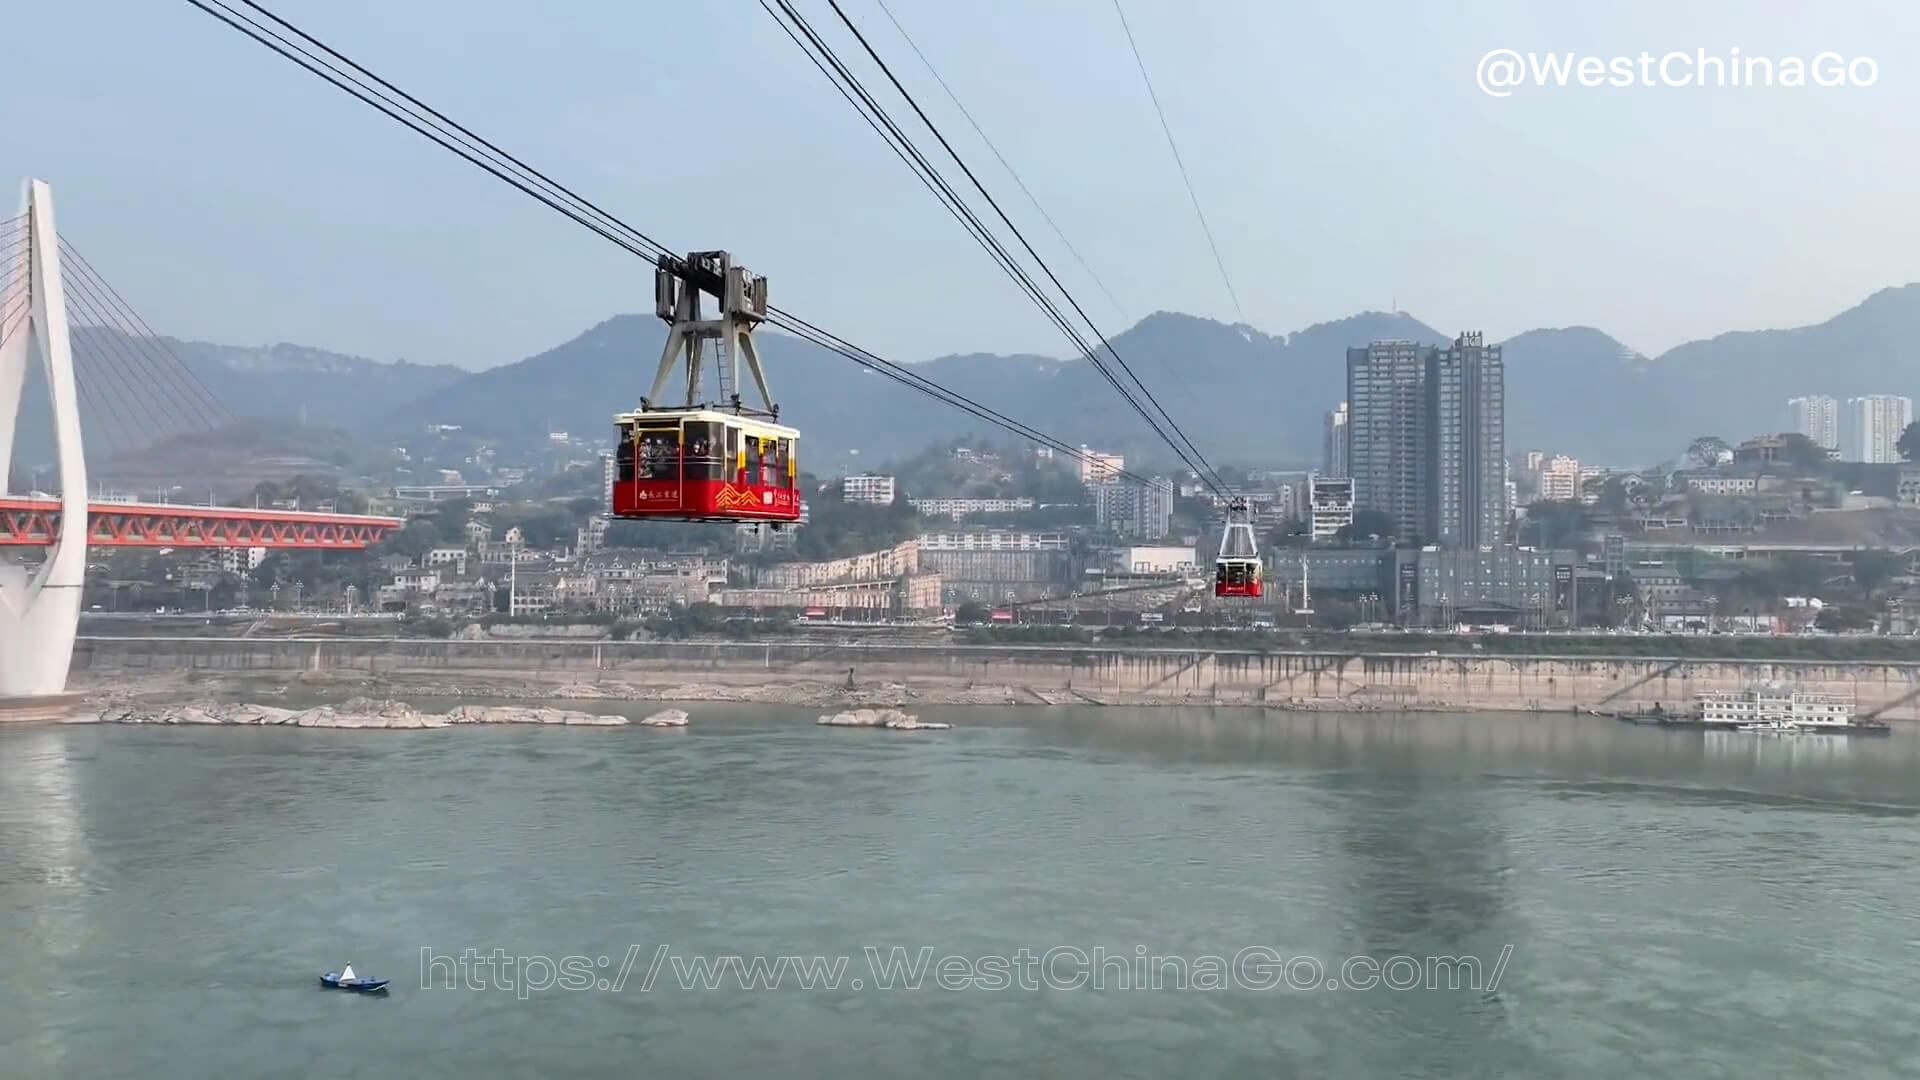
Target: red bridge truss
36,523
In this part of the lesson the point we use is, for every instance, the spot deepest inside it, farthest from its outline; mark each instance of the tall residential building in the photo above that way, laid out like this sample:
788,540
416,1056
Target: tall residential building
1333,461
1872,427
1817,417
1467,435
1386,429
1134,510
1428,439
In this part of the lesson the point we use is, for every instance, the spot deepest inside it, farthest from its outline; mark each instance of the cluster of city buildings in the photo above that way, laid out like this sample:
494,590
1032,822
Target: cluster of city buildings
1865,429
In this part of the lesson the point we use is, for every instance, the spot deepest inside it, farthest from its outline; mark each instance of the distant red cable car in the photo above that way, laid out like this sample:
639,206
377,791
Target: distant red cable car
1237,570
707,461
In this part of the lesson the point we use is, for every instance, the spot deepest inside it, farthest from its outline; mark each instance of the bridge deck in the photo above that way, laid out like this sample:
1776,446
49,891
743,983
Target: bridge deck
34,522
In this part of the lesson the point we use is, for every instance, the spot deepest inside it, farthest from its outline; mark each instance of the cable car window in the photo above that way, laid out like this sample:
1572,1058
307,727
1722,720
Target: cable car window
769,463
750,470
623,454
704,447
786,463
657,454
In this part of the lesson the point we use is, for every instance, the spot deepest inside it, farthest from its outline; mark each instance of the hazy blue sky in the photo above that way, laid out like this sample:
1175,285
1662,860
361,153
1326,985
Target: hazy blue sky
1342,151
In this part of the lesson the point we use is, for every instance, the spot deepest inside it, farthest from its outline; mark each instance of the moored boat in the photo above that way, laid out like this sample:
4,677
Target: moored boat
1775,708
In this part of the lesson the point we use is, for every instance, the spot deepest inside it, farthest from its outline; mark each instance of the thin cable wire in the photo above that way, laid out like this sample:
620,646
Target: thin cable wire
599,221
332,75
1191,455
929,176
958,206
1179,386
1178,161
977,130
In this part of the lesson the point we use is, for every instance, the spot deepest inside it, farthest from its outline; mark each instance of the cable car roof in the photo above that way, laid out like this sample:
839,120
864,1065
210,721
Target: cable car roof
751,423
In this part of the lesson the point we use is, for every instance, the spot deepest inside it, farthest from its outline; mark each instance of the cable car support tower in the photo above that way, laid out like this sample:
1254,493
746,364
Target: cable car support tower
679,289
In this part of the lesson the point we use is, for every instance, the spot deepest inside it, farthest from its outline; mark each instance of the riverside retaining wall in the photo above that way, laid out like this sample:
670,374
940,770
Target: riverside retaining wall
1040,672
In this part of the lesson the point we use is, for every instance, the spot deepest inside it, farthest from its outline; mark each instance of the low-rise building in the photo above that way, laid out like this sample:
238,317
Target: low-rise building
449,559
869,488
1329,506
1156,560
959,508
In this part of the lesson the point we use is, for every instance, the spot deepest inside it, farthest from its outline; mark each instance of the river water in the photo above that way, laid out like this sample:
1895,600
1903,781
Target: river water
1667,903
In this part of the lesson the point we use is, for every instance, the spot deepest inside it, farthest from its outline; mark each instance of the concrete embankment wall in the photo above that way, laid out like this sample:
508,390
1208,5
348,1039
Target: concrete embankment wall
1038,673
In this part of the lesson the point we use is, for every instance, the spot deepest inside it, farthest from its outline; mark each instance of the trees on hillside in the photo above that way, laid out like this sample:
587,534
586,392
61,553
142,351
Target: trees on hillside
1556,523
1368,525
1909,444
1707,451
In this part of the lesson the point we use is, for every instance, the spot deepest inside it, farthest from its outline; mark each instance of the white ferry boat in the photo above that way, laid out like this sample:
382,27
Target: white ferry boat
1778,709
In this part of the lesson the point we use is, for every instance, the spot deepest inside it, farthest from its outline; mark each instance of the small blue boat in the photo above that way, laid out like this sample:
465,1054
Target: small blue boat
347,980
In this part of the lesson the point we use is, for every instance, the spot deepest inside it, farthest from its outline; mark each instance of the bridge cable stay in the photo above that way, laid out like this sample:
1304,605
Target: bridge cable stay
169,400
1179,162
1177,440
115,357
15,318
13,238
187,385
414,114
111,378
106,367
119,372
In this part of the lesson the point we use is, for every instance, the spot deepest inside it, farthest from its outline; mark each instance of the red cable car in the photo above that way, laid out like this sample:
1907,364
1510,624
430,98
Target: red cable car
704,465
1237,571
707,461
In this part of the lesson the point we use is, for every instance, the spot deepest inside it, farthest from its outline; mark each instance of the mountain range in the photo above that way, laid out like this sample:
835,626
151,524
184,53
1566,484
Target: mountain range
1240,394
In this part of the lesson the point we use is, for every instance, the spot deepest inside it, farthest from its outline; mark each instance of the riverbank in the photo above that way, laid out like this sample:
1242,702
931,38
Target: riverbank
900,674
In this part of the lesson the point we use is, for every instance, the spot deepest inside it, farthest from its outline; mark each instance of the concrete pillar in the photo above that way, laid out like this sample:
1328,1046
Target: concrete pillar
40,612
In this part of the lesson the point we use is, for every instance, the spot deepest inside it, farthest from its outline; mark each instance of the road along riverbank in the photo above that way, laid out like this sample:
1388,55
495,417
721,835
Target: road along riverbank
878,674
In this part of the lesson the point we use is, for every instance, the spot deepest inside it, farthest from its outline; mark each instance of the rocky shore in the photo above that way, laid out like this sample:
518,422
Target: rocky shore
891,719
363,713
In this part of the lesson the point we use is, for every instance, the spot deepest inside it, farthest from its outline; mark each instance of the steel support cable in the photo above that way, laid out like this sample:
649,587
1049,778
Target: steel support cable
1167,130
1205,469
154,342
958,401
591,217
1046,305
659,248
930,178
1024,190
115,348
826,340
1180,387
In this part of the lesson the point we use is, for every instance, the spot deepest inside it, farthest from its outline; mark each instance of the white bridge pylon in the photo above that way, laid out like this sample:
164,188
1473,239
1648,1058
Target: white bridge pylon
40,611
